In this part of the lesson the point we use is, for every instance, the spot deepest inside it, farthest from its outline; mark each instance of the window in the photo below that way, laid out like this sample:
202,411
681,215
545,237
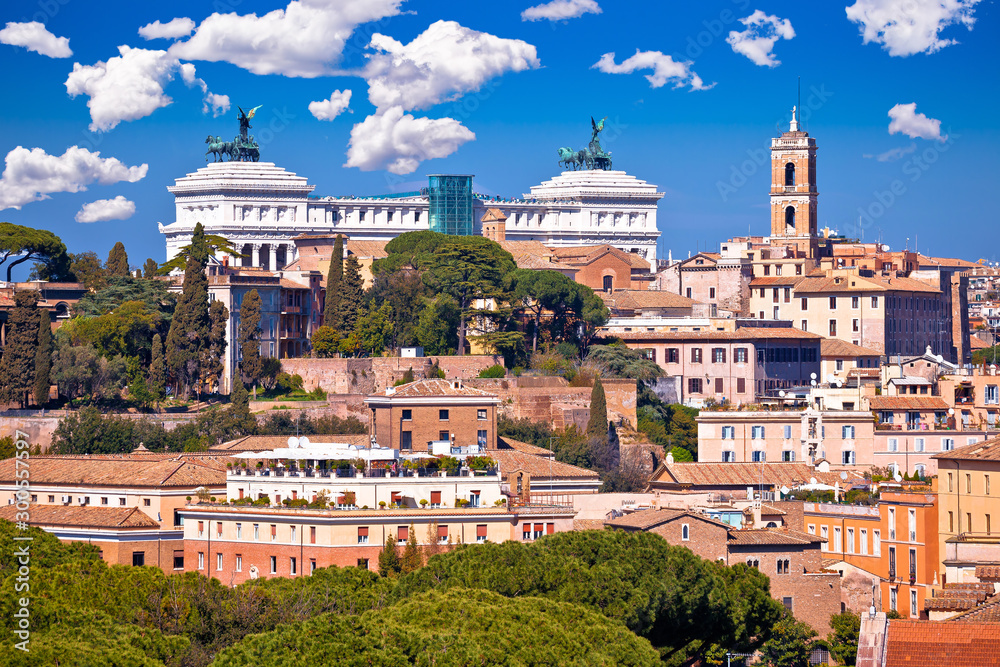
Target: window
239,562
798,269
312,534
987,481
757,432
919,444
256,532
201,560
947,444
988,531
694,385
728,456
218,562
687,292
608,283
292,566
991,395
728,432
718,386
740,355
811,529
402,533
837,546
850,540
741,385
874,302
864,542
695,355
968,482
239,531
876,543
788,456
833,303
481,415
719,355
435,499
968,522
711,292
218,529
758,456
833,326
201,529
892,444
848,457
293,531
912,524
788,431
481,533
893,599
274,564
855,325
474,498
178,559
672,355
443,534
848,432
274,533
913,602
443,415
790,174
145,502
753,562
804,304
407,415
787,603
824,533
362,563
406,440
362,534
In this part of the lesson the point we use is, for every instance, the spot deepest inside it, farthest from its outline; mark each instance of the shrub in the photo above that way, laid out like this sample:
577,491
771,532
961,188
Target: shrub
494,371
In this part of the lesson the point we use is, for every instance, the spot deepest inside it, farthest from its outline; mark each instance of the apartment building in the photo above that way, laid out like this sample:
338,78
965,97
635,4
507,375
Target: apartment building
842,437
839,358
975,395
128,505
731,366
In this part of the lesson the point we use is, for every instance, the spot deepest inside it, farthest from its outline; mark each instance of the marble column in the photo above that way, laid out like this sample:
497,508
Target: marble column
255,254
273,261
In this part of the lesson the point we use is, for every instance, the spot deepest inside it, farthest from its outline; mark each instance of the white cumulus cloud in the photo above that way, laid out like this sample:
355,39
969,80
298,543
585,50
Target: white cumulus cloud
398,142
304,39
560,10
173,29
34,37
894,154
442,63
118,208
130,86
329,109
906,27
757,41
665,69
906,120
31,175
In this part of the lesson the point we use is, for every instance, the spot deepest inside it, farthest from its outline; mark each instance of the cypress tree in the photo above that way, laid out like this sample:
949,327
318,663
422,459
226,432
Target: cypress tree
242,421
248,338
17,367
43,358
411,553
331,311
190,328
157,369
597,427
351,289
150,268
389,564
214,355
117,264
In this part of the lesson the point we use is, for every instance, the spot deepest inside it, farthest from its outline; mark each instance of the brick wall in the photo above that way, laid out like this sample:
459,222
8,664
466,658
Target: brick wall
552,400
707,540
370,375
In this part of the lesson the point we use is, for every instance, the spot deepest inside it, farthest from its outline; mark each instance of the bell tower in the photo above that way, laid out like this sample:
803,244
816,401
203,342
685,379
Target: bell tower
793,189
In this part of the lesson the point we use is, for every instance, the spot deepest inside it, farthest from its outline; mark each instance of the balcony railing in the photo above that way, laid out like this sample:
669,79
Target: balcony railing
352,472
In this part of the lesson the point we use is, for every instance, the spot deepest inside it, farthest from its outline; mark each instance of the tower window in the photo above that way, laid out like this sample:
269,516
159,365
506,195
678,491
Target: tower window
790,220
789,174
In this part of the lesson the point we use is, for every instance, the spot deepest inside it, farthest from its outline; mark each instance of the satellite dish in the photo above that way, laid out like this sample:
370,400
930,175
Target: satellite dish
303,441
813,382
830,378
897,477
781,393
784,490
293,442
812,480
951,411
843,476
839,384
812,375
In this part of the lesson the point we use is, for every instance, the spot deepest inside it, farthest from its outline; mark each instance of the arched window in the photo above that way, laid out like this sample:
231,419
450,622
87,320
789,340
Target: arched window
789,174
789,219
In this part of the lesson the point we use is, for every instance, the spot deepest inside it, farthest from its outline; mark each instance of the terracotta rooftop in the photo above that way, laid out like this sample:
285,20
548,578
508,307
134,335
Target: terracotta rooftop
771,510
493,215
524,447
588,524
775,281
534,255
977,343
640,299
989,573
434,387
539,467
853,283
944,643
590,253
834,347
375,249
742,475
646,519
771,536
988,450
907,403
743,333
143,470
84,516
989,612
260,443
863,372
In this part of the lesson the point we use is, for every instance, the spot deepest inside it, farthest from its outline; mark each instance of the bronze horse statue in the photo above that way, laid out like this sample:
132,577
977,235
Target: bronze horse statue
567,157
219,148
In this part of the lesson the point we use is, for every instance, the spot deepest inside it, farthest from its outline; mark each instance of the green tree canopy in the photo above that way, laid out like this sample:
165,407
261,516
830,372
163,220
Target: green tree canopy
597,425
437,327
117,264
331,308
17,366
190,328
351,293
206,245
43,358
248,338
789,644
457,627
19,244
844,640
618,361
86,268
154,293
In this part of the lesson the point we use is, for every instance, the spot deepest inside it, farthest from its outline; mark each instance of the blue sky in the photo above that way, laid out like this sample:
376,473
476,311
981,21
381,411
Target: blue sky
427,77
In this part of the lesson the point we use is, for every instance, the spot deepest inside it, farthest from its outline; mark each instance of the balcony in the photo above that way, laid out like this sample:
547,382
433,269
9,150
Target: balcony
355,473
291,310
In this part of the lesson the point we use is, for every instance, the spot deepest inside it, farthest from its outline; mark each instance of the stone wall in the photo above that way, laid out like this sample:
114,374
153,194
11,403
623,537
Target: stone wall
374,374
553,401
40,426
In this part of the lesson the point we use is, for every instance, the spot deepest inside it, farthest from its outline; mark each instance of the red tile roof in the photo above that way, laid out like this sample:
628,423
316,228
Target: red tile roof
644,299
907,403
768,536
83,516
742,475
775,281
260,443
538,467
945,644
651,518
524,447
834,347
435,387
988,450
143,470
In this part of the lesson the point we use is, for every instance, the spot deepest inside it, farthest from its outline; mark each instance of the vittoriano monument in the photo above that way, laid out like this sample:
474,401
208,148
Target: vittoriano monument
243,148
591,157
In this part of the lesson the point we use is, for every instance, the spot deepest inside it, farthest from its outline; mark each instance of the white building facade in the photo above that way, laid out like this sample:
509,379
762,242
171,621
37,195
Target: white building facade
260,208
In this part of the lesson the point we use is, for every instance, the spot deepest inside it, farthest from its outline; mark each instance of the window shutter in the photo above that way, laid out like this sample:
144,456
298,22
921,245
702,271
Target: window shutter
397,497
362,531
435,497
539,527
201,526
442,532
274,530
403,533
481,531
550,528
341,499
